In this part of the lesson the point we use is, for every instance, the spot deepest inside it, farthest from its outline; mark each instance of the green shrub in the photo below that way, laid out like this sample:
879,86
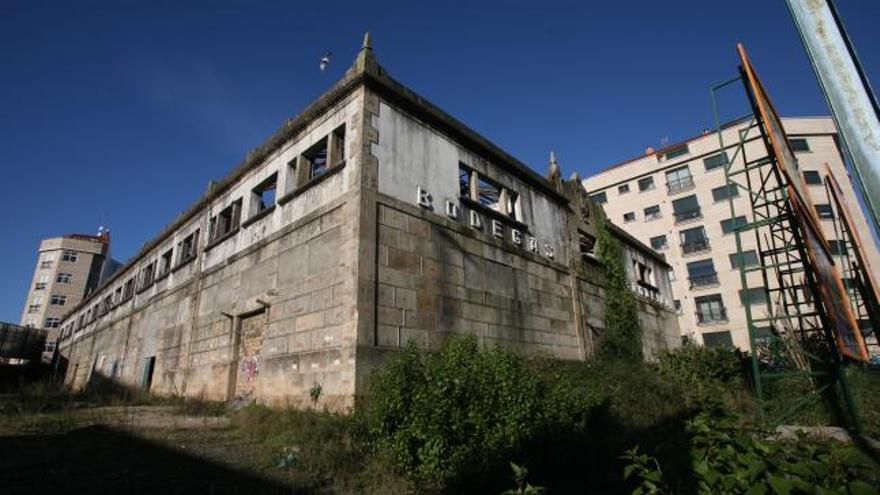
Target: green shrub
725,457
460,413
709,377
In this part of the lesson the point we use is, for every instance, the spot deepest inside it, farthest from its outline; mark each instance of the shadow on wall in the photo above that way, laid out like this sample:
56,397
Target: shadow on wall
97,459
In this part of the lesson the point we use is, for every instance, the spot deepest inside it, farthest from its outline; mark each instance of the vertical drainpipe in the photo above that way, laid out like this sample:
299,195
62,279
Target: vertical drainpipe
847,92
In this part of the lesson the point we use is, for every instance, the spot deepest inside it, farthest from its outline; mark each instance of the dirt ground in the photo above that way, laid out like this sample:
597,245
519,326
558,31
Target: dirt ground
133,449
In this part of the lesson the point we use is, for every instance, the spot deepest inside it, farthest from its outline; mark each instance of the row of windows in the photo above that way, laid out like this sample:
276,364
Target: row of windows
308,166
680,179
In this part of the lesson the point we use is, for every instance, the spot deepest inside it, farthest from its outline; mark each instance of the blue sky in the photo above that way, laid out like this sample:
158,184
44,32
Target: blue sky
118,113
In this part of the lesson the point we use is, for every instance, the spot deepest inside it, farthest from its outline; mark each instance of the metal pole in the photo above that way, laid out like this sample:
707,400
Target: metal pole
846,90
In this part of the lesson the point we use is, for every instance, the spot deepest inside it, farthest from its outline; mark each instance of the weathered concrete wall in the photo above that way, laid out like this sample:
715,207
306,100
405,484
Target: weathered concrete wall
266,313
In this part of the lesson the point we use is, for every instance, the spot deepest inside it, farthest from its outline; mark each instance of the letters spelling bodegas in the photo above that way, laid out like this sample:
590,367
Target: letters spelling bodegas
496,227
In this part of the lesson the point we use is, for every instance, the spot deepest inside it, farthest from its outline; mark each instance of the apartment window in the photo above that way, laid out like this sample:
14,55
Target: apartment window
731,224
646,184
710,309
263,196
587,243
226,221
600,198
42,283
676,303
629,217
316,158
652,213
824,211
58,300
659,243
677,152
799,144
718,339
702,274
35,304
694,240
749,258
70,256
687,208
624,189
487,192
148,273
715,161
165,263
725,192
679,179
46,264
52,322
838,247
755,295
188,248
812,178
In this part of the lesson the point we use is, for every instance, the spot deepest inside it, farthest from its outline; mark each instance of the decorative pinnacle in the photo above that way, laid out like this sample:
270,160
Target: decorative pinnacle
367,44
553,158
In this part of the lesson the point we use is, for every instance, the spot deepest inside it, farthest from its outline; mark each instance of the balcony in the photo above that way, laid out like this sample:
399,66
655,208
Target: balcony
679,185
706,280
710,315
687,215
698,246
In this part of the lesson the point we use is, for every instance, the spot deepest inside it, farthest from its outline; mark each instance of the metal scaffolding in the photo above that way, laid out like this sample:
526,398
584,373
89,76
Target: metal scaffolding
792,335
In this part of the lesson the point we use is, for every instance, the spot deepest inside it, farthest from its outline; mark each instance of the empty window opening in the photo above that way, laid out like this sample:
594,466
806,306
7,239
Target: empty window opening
165,262
226,221
263,196
188,248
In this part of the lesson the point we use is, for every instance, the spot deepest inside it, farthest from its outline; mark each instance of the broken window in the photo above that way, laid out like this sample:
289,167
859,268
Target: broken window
226,221
188,248
587,243
128,289
316,158
263,196
70,256
147,274
64,278
165,262
487,192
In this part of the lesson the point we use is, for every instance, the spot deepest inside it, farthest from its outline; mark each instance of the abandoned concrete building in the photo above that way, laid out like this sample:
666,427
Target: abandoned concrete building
369,220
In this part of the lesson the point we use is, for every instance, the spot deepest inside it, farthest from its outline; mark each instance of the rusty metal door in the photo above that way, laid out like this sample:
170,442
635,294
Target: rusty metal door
250,343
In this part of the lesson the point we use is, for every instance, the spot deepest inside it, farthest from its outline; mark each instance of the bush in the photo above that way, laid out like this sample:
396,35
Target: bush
726,458
451,417
708,377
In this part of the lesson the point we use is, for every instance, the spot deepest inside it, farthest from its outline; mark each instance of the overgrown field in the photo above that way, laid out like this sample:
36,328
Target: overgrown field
461,420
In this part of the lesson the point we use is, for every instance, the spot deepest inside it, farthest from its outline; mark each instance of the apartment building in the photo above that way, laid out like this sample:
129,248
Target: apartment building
370,220
68,267
676,199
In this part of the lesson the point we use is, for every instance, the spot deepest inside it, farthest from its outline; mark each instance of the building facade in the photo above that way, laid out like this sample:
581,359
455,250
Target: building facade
370,220
68,267
676,200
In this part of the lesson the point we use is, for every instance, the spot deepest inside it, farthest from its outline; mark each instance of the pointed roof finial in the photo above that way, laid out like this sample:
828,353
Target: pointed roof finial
554,173
367,44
